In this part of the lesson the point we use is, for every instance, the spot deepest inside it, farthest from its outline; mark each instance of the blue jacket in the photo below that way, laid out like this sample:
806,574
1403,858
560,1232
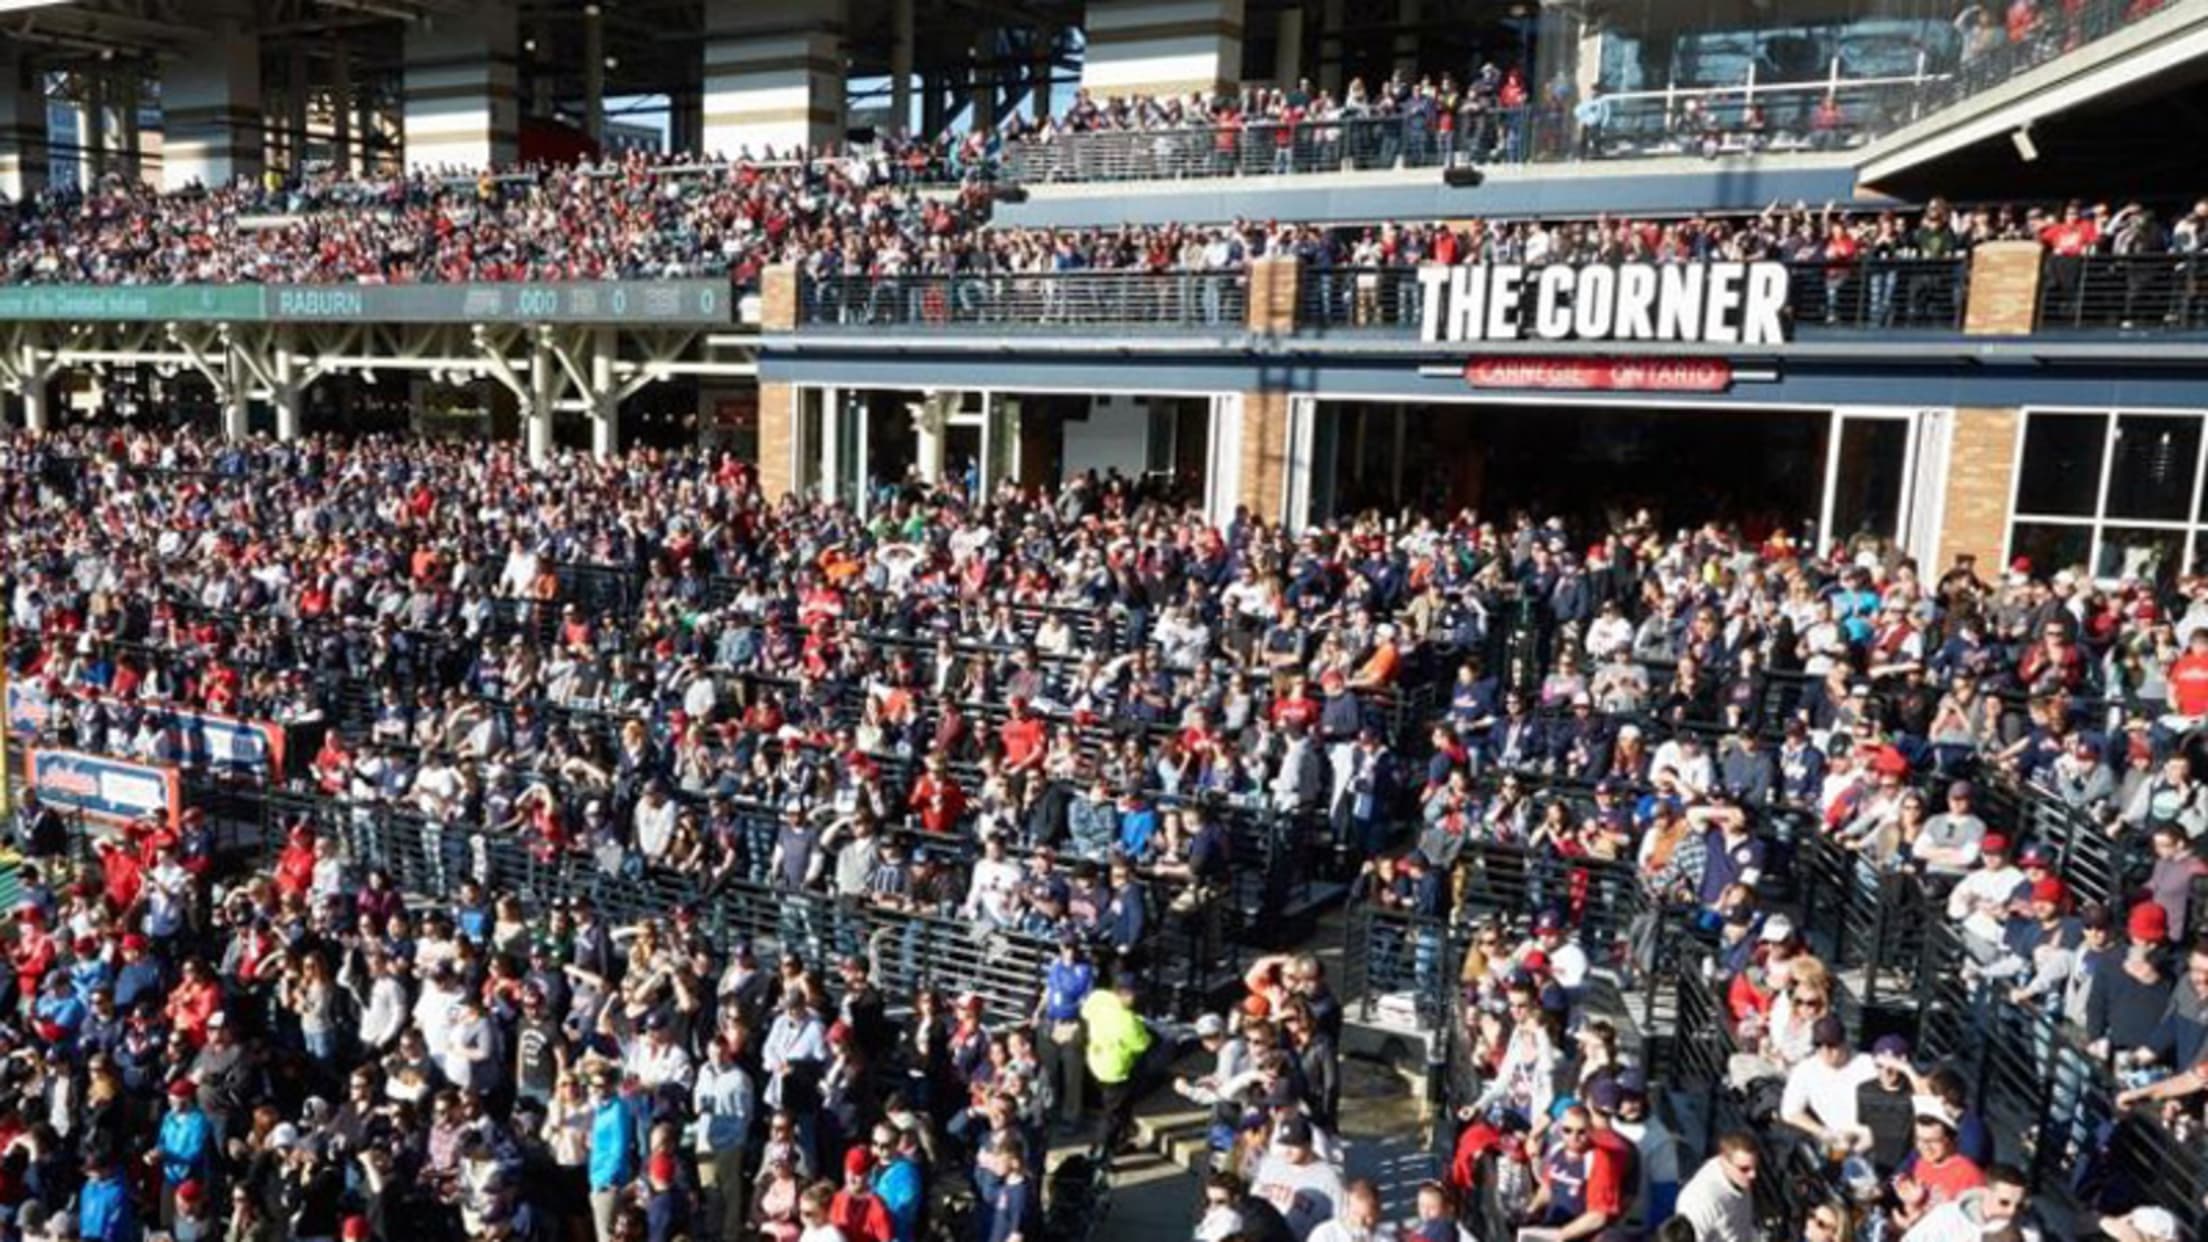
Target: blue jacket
104,1212
612,1145
898,1184
187,1140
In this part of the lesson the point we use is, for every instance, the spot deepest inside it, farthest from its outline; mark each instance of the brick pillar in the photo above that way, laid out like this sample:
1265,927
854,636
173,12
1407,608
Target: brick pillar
1273,287
778,298
777,438
1981,473
2004,289
1264,473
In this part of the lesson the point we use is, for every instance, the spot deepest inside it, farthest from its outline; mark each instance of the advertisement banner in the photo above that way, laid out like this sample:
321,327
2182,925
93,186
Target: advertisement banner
194,739
108,789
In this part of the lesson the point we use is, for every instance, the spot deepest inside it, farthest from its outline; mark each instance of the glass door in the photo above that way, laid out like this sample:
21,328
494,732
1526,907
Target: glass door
1870,463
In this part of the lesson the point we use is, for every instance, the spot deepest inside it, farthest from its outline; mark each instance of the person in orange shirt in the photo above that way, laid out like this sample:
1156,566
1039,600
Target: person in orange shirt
1379,669
1935,1171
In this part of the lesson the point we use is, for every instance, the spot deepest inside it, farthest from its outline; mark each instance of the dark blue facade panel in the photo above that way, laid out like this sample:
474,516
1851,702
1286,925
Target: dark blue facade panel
1800,383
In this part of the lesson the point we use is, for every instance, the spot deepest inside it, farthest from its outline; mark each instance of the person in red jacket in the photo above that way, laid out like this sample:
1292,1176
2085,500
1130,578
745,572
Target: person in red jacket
295,866
856,1209
937,799
33,953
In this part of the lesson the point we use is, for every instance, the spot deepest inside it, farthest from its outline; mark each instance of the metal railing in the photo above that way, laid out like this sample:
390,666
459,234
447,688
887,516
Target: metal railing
1359,299
2043,1092
1992,56
2142,293
1048,301
906,951
1237,149
1879,293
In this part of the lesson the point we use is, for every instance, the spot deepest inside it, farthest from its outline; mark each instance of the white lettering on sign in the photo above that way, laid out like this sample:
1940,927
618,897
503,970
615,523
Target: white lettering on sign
1716,303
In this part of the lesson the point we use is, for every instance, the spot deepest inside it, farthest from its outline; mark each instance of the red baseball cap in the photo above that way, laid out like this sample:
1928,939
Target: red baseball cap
2148,921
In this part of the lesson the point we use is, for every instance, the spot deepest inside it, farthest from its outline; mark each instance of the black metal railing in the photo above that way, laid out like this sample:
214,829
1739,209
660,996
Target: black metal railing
1252,148
1167,301
2127,293
1879,293
429,858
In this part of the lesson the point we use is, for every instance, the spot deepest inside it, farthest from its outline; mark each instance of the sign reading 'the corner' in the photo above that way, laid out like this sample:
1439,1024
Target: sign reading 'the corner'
1716,303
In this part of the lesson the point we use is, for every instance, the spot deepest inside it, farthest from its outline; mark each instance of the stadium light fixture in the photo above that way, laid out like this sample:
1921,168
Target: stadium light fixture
2026,149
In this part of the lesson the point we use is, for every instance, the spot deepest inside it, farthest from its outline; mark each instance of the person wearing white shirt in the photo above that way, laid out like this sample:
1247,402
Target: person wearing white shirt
655,823
1719,1200
996,884
384,1016
1303,1188
1608,633
434,1010
1820,1093
1359,1217
725,1105
1977,1214
1980,901
1567,961
468,1055
657,1060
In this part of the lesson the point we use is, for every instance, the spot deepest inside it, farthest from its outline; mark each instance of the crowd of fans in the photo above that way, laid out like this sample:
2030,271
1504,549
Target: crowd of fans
860,215
1033,714
638,218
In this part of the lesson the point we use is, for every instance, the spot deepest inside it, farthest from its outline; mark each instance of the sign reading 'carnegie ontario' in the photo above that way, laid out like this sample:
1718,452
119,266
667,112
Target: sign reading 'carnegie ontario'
1721,303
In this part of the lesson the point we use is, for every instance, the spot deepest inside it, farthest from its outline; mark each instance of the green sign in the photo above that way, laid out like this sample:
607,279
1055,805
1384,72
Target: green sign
690,302
133,302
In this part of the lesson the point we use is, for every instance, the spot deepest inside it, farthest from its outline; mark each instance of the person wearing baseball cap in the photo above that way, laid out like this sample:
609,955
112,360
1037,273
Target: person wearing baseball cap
185,1149
1820,1094
1981,900
1292,1177
1949,845
1552,938
1885,1103
857,1210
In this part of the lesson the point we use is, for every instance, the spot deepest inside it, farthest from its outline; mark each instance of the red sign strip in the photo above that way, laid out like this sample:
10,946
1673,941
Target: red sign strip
1602,374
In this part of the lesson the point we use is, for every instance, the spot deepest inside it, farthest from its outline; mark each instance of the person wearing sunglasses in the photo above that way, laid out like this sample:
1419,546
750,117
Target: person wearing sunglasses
1582,1191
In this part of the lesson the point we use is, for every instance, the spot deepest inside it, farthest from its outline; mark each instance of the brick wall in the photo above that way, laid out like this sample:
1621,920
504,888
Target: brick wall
778,298
1273,286
1264,467
2004,289
777,438
1981,469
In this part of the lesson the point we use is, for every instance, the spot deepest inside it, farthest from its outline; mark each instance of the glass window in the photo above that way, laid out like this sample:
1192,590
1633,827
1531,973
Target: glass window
2151,474
2061,474
2050,547
2153,556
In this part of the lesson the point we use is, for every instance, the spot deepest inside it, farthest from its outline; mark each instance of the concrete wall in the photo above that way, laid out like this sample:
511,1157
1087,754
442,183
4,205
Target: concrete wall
1162,47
